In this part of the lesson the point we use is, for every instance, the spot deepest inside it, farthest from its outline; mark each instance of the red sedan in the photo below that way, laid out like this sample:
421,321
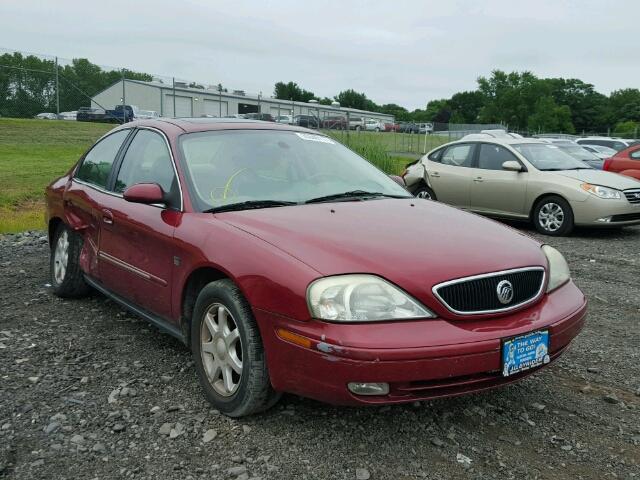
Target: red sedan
625,162
287,263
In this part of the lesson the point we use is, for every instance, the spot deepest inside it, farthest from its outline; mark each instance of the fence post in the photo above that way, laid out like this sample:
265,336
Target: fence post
57,89
348,128
220,101
124,109
174,97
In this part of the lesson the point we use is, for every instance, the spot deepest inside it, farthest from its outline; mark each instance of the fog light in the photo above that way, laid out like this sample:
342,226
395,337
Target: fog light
604,219
368,388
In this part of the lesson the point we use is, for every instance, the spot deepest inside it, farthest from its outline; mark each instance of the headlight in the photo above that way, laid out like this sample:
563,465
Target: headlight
558,269
602,192
361,298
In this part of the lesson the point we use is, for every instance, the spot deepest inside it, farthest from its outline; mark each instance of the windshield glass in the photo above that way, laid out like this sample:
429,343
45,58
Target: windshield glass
228,167
545,156
578,152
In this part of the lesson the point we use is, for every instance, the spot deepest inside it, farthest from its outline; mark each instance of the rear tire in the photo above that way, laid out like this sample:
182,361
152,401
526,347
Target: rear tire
67,278
553,216
228,352
425,193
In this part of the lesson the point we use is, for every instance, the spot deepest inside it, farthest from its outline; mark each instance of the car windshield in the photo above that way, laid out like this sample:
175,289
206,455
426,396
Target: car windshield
233,167
578,152
545,156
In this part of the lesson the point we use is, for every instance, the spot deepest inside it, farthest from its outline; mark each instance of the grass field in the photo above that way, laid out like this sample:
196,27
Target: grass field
34,152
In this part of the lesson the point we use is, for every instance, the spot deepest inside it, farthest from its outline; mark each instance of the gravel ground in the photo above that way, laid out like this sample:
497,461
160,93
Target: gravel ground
88,391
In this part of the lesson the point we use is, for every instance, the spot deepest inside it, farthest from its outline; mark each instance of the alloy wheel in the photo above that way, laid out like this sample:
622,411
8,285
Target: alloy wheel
221,350
61,257
551,216
424,194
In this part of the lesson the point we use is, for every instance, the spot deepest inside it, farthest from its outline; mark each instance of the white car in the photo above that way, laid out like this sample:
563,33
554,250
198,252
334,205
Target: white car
616,143
372,125
68,115
600,151
288,119
46,116
147,114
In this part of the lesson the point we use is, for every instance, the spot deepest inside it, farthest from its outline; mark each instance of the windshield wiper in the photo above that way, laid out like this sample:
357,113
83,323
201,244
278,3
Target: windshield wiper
352,195
249,205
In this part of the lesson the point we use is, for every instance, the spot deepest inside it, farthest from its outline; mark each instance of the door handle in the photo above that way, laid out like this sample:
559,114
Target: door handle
107,217
435,174
478,179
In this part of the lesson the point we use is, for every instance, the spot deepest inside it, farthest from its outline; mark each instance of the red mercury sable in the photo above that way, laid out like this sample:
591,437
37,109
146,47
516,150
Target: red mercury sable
290,264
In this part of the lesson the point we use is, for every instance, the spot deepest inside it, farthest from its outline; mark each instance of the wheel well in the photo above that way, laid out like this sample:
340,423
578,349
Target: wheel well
417,185
544,195
53,226
196,281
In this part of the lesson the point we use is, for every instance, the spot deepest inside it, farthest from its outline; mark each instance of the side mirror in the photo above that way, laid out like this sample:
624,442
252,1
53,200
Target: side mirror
398,180
146,193
512,166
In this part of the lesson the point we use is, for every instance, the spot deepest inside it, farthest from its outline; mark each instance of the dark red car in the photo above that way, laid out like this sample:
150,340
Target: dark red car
287,263
625,162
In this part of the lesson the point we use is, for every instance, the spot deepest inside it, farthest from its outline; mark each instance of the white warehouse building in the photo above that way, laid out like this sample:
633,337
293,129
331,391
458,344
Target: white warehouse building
181,100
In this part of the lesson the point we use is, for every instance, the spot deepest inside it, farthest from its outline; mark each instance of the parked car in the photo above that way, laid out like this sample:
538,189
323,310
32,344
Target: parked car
615,143
577,151
409,127
265,117
266,256
46,116
288,119
308,121
335,123
122,114
237,115
524,179
625,162
391,127
425,127
356,123
89,114
68,115
599,151
373,125
151,114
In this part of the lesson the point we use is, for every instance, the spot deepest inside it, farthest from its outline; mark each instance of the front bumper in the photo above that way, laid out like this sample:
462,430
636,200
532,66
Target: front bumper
418,359
593,210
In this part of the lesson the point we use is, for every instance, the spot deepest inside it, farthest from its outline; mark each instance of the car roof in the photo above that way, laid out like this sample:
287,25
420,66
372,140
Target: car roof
203,124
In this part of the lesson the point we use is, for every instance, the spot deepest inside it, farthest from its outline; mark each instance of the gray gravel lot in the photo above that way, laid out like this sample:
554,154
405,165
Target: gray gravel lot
88,391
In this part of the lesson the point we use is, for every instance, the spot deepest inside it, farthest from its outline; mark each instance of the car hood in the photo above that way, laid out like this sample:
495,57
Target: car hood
413,243
599,177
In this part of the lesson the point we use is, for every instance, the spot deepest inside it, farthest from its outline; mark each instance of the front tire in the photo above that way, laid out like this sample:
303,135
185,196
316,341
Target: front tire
553,216
228,352
67,279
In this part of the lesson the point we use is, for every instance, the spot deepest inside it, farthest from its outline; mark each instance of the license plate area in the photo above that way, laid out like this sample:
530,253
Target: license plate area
524,352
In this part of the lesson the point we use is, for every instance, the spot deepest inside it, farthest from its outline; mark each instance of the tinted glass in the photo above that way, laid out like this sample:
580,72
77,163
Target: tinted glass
96,166
147,161
458,155
237,166
491,157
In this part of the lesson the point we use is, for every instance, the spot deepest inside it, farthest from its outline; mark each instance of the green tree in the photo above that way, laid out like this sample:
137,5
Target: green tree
550,117
624,105
466,106
628,129
291,91
352,99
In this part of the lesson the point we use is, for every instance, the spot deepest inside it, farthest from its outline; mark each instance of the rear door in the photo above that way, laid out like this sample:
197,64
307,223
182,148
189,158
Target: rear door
450,174
136,245
87,193
494,190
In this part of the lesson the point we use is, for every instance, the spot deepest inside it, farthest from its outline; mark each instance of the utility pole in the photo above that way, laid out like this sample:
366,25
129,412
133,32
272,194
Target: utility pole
124,101
57,89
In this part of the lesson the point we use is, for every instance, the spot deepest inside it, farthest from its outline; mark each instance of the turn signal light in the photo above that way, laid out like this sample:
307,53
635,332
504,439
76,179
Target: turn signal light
294,338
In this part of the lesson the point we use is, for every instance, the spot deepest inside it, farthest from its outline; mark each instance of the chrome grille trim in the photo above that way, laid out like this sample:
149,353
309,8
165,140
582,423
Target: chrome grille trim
456,281
633,195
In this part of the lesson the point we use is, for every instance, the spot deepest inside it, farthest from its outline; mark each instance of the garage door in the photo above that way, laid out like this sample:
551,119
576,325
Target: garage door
281,111
215,107
184,106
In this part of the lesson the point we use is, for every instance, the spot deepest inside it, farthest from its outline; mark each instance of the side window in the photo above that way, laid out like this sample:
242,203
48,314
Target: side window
147,161
618,146
491,157
96,166
458,155
435,156
635,154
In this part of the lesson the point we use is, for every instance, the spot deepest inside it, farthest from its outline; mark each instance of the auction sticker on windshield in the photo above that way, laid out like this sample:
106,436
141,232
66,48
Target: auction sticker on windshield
525,352
315,138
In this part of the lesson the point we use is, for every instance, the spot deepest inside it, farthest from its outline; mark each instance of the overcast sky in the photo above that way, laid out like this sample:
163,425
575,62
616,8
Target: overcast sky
394,51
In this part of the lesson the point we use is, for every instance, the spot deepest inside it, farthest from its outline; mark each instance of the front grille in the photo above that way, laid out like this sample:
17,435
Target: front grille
479,294
625,217
633,195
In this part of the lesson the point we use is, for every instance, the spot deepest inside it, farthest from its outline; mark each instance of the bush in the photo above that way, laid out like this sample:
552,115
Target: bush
627,129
